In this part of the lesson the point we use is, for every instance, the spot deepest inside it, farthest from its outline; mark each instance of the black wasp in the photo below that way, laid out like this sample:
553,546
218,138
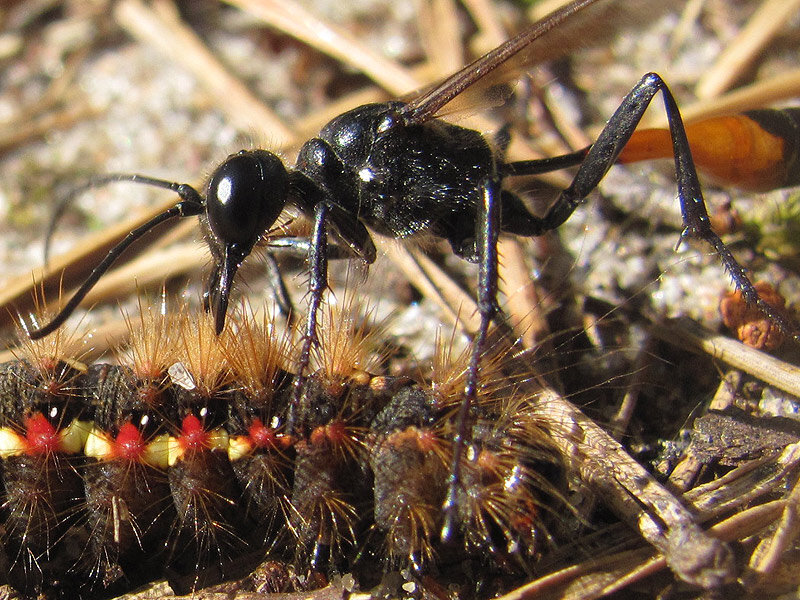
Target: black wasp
396,169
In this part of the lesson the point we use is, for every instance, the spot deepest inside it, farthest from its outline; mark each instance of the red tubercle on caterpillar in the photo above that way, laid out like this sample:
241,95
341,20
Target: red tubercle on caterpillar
129,443
42,432
259,438
267,438
334,433
340,441
41,436
196,437
193,435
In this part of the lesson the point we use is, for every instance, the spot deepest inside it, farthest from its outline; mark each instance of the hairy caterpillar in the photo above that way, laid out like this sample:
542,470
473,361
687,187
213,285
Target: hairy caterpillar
183,461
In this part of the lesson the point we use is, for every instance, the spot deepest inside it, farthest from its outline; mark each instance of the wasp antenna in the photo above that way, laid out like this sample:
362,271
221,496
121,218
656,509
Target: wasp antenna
65,201
184,208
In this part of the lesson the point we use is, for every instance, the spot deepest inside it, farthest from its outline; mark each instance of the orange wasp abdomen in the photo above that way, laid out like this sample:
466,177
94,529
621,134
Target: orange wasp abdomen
755,150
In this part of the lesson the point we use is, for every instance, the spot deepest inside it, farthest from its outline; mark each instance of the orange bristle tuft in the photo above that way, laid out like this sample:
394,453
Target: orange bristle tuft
349,340
258,354
152,342
202,352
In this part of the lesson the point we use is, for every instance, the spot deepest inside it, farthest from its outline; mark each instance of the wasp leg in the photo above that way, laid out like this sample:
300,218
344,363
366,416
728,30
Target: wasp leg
278,286
487,232
602,155
359,244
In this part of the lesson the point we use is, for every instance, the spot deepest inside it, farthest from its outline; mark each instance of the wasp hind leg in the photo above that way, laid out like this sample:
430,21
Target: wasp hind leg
595,162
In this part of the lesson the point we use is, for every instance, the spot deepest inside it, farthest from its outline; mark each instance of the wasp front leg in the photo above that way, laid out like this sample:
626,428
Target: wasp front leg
353,238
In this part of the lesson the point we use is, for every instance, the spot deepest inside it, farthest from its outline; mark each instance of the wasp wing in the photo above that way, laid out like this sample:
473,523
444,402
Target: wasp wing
578,23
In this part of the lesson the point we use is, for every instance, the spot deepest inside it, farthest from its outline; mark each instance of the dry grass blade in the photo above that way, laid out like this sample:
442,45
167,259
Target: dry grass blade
524,305
491,32
601,576
779,88
293,20
590,579
768,369
635,495
770,551
457,306
72,268
63,118
59,107
753,40
147,271
439,35
160,26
